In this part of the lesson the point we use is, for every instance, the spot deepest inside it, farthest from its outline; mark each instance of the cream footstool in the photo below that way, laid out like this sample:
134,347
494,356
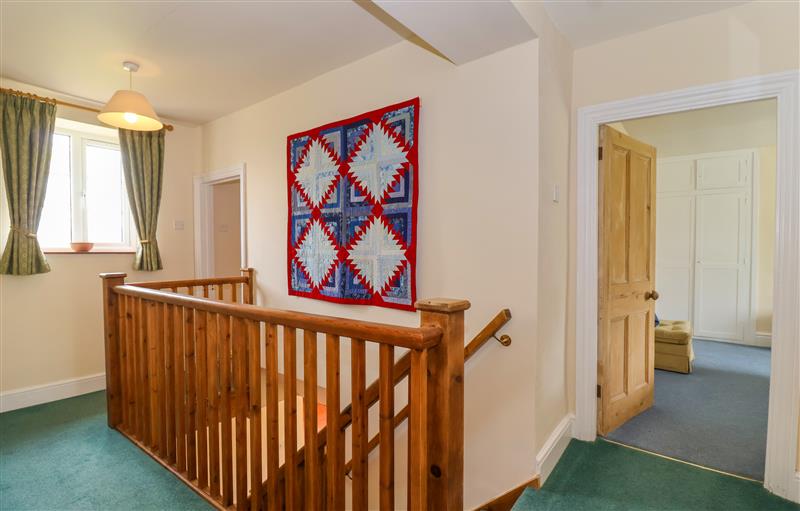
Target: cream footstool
674,346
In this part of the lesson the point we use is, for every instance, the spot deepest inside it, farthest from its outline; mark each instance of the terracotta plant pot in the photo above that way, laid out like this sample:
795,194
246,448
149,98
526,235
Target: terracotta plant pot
81,246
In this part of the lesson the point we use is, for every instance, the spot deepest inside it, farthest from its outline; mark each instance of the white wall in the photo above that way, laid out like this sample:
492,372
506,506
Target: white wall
227,228
51,324
555,95
478,218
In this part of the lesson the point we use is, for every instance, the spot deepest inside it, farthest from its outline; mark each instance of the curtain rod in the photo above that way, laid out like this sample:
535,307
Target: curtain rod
54,101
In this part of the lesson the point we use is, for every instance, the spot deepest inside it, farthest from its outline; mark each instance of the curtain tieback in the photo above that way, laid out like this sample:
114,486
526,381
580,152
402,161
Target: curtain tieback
24,232
144,242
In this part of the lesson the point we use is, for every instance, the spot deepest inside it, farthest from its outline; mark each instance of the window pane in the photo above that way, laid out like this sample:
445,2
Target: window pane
104,195
55,225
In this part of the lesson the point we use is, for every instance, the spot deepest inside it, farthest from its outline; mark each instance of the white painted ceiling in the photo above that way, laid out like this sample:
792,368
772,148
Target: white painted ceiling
199,60
586,22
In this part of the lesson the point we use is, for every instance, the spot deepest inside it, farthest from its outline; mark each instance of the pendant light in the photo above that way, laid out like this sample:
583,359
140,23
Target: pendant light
129,109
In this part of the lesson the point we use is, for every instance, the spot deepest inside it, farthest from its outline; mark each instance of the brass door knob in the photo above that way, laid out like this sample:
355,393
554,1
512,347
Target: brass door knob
651,295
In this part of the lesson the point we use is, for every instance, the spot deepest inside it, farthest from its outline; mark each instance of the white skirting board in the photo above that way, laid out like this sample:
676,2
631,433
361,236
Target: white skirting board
761,340
30,396
554,447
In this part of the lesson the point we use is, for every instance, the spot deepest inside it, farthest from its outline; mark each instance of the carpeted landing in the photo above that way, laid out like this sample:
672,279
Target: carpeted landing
716,416
62,456
602,476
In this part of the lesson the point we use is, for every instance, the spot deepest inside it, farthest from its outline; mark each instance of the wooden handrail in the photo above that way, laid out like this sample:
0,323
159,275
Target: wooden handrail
211,281
415,338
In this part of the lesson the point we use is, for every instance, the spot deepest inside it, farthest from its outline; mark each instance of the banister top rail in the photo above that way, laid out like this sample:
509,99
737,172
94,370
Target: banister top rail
211,281
416,338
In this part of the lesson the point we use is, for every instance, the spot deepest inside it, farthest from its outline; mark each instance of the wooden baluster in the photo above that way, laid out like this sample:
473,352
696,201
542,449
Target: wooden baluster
174,289
234,298
162,380
132,381
254,377
143,387
205,291
418,432
220,293
152,373
169,361
360,435
335,438
191,394
125,421
239,342
313,496
112,347
202,395
226,401
273,446
180,389
289,418
386,418
212,356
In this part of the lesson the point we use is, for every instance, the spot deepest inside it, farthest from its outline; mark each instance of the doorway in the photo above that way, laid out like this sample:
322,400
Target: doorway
687,220
784,395
220,223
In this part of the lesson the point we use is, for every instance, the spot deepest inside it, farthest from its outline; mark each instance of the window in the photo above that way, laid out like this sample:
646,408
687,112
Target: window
86,198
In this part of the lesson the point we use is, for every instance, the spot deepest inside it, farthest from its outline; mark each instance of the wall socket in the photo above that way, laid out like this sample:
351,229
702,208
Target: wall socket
178,225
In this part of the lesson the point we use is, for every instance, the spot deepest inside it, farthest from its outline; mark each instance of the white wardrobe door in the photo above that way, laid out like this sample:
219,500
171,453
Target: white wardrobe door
722,282
675,256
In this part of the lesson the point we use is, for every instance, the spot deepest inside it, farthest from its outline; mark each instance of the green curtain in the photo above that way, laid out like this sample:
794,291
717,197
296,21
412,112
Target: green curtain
143,166
26,141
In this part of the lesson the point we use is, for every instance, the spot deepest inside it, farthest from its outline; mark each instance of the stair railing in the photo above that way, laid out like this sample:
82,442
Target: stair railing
184,384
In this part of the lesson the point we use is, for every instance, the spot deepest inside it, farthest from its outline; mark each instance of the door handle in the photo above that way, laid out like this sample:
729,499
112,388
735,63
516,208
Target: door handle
651,295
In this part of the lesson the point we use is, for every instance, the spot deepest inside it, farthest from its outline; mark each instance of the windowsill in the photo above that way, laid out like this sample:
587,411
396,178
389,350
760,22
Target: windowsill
92,251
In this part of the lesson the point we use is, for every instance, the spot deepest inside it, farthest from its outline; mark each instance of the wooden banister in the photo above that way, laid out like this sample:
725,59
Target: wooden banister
416,338
211,281
185,381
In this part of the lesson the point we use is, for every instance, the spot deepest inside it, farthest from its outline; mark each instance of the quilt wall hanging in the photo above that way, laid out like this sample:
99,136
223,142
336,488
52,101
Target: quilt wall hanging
353,188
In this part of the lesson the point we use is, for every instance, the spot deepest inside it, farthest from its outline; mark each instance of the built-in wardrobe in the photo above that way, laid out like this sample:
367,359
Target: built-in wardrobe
704,242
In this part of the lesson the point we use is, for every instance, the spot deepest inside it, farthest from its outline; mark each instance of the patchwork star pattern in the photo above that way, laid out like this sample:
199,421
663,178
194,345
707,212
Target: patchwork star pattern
352,193
377,255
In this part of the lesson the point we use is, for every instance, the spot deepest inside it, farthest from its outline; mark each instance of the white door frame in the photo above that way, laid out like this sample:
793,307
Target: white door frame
781,476
204,217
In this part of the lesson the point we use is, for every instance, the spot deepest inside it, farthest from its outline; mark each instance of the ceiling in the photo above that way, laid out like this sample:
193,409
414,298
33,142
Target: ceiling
199,60
586,22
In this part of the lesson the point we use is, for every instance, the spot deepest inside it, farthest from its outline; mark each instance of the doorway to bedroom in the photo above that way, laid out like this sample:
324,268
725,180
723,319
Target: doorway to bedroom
687,230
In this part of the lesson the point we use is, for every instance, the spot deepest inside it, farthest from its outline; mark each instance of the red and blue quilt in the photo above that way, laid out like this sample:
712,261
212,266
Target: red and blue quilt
353,188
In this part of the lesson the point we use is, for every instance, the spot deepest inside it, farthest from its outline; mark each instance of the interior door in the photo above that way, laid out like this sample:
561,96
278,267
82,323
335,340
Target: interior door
627,275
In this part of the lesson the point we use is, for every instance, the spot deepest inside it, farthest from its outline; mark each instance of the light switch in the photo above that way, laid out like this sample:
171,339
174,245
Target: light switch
178,225
556,193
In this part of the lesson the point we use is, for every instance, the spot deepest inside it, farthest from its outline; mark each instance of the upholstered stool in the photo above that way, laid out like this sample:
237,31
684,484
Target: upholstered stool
674,346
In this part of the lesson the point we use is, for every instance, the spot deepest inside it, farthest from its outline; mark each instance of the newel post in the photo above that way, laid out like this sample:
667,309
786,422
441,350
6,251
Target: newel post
445,403
250,286
111,328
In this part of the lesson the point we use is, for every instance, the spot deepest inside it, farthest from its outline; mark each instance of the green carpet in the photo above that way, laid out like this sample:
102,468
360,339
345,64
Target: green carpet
62,456
601,476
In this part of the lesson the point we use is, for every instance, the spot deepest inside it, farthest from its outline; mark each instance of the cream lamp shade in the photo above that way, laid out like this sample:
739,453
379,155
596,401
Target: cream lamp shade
130,110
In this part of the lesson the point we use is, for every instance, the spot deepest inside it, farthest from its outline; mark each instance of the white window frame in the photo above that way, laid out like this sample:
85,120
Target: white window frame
79,140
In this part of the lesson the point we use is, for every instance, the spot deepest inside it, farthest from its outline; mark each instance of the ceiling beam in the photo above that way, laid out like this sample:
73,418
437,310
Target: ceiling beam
458,31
